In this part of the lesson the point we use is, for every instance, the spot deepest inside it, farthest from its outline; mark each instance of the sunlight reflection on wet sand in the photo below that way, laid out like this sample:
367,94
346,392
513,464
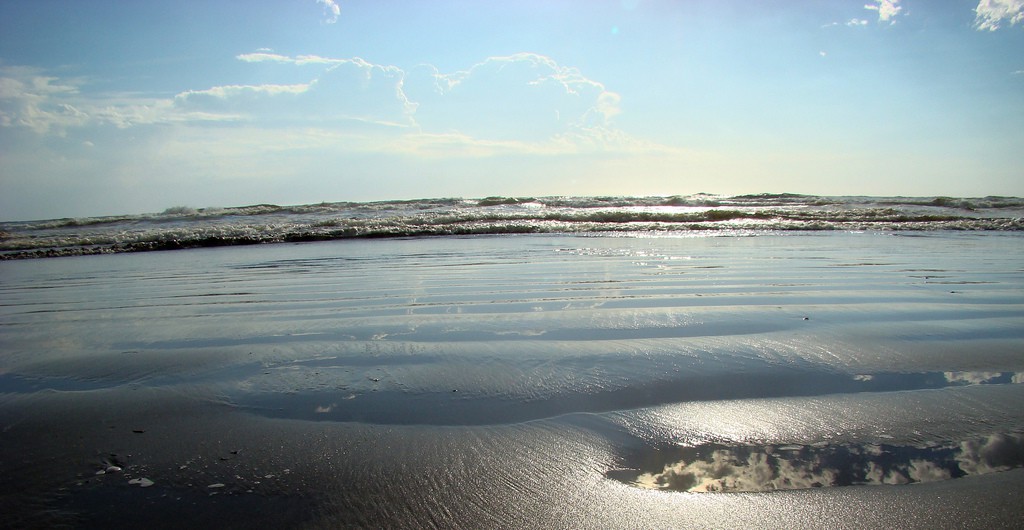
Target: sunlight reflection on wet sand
518,382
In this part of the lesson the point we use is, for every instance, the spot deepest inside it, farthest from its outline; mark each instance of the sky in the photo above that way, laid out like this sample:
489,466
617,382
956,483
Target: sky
112,107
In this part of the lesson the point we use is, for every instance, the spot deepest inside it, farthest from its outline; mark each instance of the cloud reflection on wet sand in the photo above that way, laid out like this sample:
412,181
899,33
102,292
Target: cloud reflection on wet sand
723,468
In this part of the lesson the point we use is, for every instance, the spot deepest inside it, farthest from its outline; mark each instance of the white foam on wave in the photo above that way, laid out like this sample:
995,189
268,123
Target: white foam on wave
187,227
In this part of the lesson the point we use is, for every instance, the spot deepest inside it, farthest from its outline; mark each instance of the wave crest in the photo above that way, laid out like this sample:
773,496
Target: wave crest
187,227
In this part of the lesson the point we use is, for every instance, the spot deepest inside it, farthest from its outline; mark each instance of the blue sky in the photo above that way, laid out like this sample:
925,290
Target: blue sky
113,107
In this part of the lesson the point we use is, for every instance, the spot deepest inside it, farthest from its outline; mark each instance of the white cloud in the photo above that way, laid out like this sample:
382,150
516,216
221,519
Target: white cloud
35,101
887,9
524,103
268,56
991,14
518,104
227,92
331,10
856,22
49,105
348,89
262,55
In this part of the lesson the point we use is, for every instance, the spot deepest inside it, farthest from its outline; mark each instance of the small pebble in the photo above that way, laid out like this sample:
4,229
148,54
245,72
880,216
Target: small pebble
217,485
142,482
113,469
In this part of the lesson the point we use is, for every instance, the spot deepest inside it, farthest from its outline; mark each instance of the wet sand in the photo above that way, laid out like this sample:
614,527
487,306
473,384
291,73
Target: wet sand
826,380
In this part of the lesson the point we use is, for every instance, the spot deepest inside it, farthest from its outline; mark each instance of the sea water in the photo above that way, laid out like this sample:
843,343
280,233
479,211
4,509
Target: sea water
186,227
567,379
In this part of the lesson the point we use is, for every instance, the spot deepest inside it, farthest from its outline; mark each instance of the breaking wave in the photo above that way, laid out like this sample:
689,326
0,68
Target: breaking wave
187,227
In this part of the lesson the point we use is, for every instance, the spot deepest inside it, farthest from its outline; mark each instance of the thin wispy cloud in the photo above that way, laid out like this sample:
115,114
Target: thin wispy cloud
851,23
519,96
990,15
267,56
346,91
524,97
526,103
44,104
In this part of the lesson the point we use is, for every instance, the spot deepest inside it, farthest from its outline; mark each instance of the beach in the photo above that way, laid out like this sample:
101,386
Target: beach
699,379
321,264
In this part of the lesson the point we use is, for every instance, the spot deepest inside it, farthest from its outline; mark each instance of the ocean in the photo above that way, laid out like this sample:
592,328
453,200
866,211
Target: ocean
186,227
759,361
